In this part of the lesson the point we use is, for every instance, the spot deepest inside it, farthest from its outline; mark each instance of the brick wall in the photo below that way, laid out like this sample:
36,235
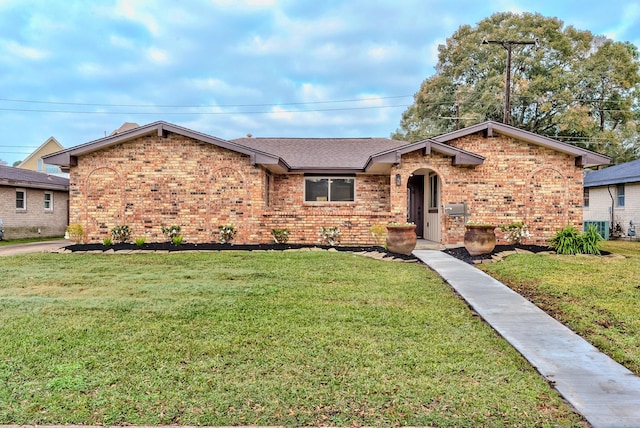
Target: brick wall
517,182
35,221
154,181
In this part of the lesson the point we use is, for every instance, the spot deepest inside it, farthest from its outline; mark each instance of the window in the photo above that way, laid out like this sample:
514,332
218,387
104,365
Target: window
329,189
48,201
585,197
620,194
434,196
21,199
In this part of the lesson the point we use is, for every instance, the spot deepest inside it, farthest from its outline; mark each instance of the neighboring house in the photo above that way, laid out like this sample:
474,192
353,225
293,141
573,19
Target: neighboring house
612,198
33,204
34,161
163,174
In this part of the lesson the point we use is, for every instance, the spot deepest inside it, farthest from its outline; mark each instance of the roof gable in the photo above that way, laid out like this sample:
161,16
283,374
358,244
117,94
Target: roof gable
584,158
51,145
69,156
628,172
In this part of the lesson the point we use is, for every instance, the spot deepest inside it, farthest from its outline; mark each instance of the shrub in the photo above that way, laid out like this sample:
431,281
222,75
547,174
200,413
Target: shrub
570,241
177,240
591,241
378,232
107,242
121,233
140,241
329,236
280,235
516,232
76,232
227,233
170,232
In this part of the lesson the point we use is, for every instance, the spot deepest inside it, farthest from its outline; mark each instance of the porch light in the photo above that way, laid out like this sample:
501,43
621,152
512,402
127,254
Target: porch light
398,180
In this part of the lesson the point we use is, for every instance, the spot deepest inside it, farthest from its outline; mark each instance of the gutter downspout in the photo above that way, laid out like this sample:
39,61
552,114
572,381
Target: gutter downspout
612,210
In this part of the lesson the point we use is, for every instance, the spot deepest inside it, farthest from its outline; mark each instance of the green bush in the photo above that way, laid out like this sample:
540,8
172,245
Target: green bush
177,240
591,241
107,242
170,232
227,233
570,241
76,232
140,241
329,236
281,235
121,233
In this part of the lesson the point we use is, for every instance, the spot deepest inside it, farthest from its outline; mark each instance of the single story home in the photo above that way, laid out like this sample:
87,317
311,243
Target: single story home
162,174
33,204
612,199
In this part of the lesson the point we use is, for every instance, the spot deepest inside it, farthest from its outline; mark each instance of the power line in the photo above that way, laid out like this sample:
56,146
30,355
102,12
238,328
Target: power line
205,105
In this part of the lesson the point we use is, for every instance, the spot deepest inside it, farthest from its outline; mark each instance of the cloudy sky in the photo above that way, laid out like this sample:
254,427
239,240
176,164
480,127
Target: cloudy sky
77,69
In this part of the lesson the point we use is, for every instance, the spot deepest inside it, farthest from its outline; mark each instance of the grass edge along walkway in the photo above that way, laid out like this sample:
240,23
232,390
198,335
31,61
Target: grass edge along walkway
606,393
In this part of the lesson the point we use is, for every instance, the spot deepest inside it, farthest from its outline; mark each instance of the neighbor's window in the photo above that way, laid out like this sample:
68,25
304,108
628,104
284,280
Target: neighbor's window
620,194
21,199
585,197
48,201
329,189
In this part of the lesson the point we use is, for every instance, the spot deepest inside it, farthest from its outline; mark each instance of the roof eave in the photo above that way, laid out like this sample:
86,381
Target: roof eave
34,185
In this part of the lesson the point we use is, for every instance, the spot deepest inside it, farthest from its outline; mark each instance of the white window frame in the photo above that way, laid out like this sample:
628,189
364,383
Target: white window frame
24,199
620,195
50,208
329,178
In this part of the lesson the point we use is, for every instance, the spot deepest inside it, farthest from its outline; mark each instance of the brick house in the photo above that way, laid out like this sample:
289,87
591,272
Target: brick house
33,204
612,199
163,174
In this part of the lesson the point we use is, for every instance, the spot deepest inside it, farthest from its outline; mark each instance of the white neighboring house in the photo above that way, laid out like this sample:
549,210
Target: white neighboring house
612,199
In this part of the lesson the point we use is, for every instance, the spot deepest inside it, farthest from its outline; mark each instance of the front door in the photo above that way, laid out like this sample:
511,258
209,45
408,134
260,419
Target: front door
432,216
415,203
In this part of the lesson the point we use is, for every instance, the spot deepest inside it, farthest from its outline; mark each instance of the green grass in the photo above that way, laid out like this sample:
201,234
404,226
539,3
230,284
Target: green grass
597,297
27,240
271,338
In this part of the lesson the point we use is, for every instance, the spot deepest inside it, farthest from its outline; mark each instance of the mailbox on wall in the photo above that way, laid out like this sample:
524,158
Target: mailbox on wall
457,211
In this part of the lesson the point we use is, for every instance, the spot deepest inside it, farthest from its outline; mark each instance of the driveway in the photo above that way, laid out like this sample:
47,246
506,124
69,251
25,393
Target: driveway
33,247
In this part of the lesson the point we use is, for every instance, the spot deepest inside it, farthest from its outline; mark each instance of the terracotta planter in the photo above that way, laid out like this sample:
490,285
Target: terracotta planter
401,239
479,239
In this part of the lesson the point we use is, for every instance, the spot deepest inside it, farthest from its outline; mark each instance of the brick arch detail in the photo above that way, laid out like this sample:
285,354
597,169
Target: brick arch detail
546,209
229,198
104,203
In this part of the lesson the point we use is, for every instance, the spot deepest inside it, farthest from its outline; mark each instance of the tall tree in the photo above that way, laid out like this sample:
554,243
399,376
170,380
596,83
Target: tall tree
573,86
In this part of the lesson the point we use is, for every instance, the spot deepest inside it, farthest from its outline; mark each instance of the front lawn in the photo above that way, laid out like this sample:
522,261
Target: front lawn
597,297
265,338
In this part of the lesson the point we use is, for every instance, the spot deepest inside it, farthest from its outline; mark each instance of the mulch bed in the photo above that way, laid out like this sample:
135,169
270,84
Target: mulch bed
167,246
462,254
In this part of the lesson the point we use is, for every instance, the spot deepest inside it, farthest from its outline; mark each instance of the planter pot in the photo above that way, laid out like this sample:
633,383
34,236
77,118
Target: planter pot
401,239
479,239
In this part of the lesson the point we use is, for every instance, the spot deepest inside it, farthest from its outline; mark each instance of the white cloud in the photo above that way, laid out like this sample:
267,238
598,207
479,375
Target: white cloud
244,4
13,48
157,55
134,10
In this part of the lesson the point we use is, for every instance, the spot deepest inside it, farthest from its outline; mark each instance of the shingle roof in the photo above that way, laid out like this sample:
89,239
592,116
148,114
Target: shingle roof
322,153
618,174
18,177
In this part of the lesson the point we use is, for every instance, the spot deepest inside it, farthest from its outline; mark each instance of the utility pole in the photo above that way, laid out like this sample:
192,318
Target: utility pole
508,44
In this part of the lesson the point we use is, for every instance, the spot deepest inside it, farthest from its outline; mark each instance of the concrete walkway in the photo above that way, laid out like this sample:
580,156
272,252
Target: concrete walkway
603,391
32,247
